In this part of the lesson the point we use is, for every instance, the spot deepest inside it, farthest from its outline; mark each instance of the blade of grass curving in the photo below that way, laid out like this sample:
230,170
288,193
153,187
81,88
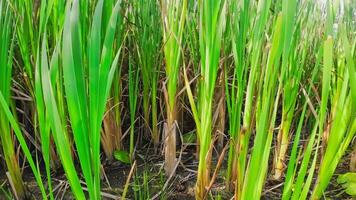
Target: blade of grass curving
44,127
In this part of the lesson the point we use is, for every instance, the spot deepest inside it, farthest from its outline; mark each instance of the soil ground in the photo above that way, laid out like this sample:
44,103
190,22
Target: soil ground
180,186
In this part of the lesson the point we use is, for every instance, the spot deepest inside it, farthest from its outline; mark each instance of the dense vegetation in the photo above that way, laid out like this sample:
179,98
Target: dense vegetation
244,96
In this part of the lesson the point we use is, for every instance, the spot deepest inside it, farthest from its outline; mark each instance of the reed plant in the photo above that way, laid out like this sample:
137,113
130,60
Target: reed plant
9,123
236,85
6,136
337,91
86,110
43,126
296,172
173,13
101,67
289,83
211,28
242,85
342,125
149,43
44,11
265,117
47,101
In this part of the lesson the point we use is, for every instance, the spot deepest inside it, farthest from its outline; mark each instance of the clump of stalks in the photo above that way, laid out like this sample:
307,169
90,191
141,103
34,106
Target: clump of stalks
8,118
244,82
85,97
265,117
341,126
111,137
307,116
6,136
23,40
149,41
294,178
211,28
48,150
334,127
173,14
289,80
28,37
338,85
236,85
86,114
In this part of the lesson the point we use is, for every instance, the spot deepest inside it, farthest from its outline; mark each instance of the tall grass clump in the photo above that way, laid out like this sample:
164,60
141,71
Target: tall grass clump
239,24
21,139
46,98
6,137
173,14
211,28
295,172
149,42
333,126
43,126
9,125
242,89
342,123
265,117
289,82
86,98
